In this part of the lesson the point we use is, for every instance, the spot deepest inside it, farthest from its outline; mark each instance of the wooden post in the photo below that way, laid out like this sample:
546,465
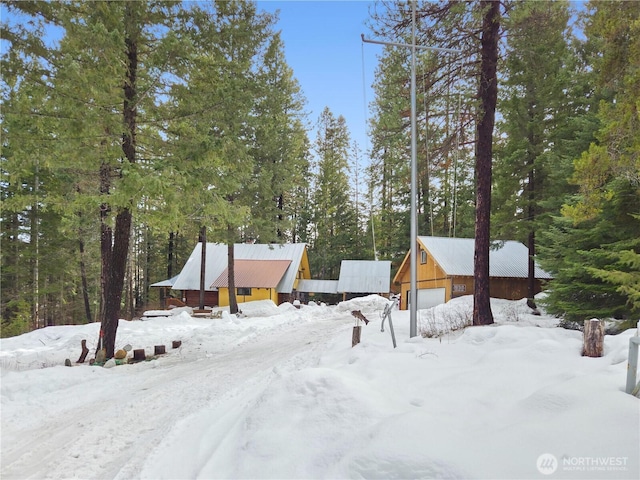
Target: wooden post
355,338
159,350
85,352
139,355
593,343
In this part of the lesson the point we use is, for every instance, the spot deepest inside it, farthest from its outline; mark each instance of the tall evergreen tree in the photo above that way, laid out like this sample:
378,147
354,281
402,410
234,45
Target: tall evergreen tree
389,168
534,94
603,280
334,219
279,150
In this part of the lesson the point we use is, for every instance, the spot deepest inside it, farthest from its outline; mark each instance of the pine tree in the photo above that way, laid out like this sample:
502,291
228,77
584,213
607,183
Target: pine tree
389,168
535,93
334,219
600,223
279,150
214,122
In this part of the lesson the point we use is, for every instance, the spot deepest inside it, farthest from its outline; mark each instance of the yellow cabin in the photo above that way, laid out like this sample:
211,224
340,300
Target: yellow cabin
445,271
261,272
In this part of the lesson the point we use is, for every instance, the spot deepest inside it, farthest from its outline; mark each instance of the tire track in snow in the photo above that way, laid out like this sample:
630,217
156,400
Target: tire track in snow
118,418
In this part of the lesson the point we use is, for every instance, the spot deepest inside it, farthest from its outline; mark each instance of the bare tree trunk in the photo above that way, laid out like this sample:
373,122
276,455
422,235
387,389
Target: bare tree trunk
35,238
117,262
170,255
203,265
106,240
85,288
531,217
488,93
233,303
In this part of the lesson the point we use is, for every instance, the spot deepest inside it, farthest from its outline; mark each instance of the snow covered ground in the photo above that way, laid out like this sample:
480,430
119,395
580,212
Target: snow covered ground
280,393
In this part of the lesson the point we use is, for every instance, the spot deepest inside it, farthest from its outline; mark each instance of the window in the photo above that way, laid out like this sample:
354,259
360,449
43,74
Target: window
423,256
244,291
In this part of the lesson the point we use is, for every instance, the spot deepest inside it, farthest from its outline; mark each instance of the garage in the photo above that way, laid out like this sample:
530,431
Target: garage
429,297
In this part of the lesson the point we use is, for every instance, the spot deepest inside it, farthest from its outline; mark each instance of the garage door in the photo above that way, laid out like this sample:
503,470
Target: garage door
430,297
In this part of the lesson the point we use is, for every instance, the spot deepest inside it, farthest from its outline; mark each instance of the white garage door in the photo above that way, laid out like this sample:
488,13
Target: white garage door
430,297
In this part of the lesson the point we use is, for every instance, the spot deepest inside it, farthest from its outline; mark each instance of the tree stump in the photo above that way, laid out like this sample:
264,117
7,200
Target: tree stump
139,355
355,338
593,342
159,350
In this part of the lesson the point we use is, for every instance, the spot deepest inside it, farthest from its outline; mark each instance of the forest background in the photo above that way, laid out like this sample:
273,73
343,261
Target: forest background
152,125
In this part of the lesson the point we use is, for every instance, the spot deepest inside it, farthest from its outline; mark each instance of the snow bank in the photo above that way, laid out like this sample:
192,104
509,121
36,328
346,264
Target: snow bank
285,396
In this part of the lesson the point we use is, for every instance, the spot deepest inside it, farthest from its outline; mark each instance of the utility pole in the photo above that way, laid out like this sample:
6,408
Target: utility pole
413,293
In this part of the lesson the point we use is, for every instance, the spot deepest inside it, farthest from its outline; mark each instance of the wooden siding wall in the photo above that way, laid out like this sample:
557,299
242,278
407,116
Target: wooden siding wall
192,298
461,286
512,288
429,275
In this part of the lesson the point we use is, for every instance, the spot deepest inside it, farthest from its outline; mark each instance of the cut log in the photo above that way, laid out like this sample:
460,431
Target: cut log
139,355
159,350
176,344
593,343
355,338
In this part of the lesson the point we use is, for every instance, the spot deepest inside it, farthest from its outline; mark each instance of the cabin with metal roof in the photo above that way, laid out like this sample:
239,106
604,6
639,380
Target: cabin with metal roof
445,271
364,277
261,272
357,278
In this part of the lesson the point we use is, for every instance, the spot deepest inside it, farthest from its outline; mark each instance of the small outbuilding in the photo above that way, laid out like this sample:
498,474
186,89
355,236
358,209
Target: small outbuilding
445,269
357,278
364,277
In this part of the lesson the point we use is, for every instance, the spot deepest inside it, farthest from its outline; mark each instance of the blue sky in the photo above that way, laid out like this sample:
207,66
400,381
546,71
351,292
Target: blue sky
324,49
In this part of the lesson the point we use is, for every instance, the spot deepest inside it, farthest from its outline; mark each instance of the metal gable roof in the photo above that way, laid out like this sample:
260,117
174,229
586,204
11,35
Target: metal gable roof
318,286
455,256
365,276
254,274
217,260
165,283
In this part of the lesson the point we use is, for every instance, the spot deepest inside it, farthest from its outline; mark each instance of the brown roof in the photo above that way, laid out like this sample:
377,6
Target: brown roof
254,274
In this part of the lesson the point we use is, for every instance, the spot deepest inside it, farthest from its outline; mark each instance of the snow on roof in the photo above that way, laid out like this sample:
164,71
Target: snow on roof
365,276
318,286
455,256
254,274
217,260
165,283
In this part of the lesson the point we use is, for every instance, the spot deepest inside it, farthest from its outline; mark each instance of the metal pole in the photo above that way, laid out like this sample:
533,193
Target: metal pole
632,365
413,294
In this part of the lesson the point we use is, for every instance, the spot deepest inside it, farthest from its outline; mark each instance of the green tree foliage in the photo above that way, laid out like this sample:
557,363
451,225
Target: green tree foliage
389,169
279,151
580,256
534,94
334,220
601,221
473,29
144,118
